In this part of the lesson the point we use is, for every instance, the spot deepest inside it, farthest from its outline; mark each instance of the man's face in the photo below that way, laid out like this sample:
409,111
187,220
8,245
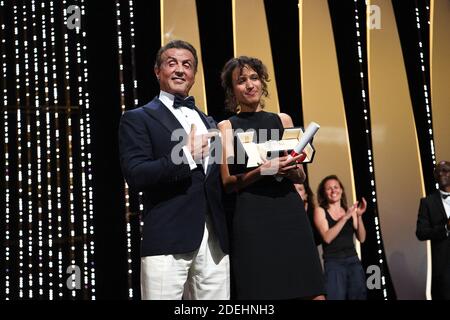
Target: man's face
176,73
442,175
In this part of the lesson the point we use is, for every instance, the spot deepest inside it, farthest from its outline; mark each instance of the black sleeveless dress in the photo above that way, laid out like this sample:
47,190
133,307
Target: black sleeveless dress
273,251
342,246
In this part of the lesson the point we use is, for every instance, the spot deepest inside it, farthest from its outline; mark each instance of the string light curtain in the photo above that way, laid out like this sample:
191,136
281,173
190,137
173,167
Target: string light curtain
47,172
128,100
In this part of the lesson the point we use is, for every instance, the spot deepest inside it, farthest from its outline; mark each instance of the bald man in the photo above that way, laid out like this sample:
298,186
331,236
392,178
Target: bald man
433,224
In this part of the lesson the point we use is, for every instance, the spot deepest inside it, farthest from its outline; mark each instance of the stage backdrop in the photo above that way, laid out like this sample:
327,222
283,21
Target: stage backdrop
374,75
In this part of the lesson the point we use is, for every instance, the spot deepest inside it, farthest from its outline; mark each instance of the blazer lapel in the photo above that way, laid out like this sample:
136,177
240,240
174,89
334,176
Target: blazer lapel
439,204
157,110
208,121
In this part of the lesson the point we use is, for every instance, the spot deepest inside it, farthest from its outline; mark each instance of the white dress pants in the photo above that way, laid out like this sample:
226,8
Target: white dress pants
203,274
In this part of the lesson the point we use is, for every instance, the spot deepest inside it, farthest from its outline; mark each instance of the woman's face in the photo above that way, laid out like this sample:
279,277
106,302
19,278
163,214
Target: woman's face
247,86
301,191
333,191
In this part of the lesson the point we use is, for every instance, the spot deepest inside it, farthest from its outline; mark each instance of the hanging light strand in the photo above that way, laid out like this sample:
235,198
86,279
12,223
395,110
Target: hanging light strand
69,151
6,148
58,285
48,148
37,134
359,23
128,213
424,71
86,165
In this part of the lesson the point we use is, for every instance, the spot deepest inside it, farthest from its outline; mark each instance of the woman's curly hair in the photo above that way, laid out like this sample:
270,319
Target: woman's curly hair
227,78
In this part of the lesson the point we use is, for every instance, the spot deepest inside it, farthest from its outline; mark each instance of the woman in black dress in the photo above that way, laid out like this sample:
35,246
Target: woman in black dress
337,224
273,253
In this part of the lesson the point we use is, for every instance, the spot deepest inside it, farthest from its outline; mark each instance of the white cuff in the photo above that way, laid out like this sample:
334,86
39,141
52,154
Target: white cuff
189,158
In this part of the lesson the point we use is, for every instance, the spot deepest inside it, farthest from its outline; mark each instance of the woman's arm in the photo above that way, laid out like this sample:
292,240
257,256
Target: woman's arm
329,234
236,182
233,182
358,222
296,174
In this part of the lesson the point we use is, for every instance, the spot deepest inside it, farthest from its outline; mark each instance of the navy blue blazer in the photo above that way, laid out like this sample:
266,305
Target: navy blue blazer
431,223
176,199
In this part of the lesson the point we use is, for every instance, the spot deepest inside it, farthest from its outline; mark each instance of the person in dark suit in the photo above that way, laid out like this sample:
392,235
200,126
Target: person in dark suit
165,153
433,223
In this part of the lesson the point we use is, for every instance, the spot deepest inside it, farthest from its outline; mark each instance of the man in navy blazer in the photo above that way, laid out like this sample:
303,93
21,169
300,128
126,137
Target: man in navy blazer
433,224
165,153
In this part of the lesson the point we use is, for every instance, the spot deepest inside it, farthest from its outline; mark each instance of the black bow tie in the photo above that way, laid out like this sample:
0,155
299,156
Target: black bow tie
444,196
179,101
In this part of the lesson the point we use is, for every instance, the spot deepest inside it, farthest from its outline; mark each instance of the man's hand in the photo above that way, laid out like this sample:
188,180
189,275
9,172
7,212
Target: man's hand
198,144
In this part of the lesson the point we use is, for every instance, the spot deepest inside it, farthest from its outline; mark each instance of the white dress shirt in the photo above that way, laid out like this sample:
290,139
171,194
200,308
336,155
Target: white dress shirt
186,117
446,203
